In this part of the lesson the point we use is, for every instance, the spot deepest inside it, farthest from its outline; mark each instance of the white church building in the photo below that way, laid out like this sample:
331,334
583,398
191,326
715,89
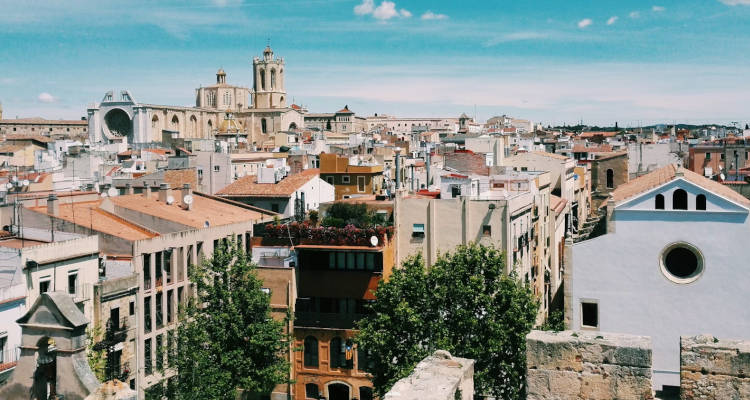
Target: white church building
672,263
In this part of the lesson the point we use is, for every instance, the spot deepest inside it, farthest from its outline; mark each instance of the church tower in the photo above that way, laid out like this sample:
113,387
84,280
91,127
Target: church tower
268,82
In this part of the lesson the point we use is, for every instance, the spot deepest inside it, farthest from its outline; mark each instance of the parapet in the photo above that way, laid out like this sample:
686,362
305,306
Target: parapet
587,365
714,368
437,377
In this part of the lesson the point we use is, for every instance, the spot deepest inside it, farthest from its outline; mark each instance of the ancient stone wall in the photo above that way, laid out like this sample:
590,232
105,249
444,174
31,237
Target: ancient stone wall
437,377
711,368
587,365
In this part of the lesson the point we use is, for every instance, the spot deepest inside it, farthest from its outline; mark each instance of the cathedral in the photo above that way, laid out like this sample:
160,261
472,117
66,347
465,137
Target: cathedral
260,114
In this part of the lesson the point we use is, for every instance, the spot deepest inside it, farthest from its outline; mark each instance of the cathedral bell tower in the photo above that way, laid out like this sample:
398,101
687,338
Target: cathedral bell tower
268,82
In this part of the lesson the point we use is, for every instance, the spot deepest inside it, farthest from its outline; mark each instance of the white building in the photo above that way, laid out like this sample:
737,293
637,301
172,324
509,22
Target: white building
671,264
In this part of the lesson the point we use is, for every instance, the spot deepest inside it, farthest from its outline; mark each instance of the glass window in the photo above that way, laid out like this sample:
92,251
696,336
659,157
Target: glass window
312,391
159,352
147,314
159,319
332,260
170,305
311,352
44,286
350,258
360,260
365,393
148,365
370,257
590,314
341,259
73,283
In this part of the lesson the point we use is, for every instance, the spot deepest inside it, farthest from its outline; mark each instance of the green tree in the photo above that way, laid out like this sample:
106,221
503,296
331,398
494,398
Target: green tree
96,356
555,322
227,340
464,304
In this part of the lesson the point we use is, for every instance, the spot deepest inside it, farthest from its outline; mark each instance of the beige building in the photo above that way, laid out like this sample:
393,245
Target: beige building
261,111
45,127
342,122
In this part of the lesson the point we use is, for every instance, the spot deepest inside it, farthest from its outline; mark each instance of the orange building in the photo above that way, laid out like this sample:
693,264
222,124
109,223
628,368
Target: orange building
349,179
335,284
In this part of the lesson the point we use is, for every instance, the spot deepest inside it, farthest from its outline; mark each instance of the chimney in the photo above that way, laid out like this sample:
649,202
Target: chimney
146,190
163,192
53,205
186,191
129,188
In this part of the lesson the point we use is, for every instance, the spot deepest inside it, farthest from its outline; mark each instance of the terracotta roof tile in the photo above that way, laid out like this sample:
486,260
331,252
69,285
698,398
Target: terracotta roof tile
204,209
89,215
550,155
248,186
595,133
605,148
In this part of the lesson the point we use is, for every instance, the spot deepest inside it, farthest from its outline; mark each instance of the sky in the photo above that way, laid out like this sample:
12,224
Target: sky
635,62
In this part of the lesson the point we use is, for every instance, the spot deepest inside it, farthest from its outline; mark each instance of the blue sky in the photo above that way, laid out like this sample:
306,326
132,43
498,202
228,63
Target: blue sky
635,62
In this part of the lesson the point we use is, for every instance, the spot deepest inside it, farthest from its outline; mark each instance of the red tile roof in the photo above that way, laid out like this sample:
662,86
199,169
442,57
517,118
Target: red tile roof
248,187
345,110
597,133
604,148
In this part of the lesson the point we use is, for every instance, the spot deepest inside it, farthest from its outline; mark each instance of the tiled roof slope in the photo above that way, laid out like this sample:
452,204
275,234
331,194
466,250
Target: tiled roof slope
88,214
248,186
668,173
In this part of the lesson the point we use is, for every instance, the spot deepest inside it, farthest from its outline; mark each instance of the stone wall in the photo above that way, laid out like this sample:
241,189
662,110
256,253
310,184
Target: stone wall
437,377
587,365
711,368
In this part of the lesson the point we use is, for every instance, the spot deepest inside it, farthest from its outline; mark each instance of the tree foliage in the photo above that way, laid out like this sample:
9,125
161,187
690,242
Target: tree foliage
464,304
226,338
358,214
97,357
555,322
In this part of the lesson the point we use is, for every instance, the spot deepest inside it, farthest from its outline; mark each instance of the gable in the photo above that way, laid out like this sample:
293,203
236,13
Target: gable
714,202
54,309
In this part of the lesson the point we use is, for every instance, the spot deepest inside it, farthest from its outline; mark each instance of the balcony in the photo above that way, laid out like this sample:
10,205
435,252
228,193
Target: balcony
311,319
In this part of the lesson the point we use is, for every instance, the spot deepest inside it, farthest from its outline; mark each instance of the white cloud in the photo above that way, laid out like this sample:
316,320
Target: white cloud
429,15
385,11
405,13
657,8
365,8
736,2
516,36
45,97
612,20
585,22
634,14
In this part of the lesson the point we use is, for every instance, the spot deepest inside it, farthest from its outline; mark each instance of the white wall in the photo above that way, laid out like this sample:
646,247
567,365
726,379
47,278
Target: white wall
621,271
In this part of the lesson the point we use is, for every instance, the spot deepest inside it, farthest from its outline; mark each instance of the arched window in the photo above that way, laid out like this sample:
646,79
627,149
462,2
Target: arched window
227,99
263,125
193,126
292,126
610,178
679,200
311,352
210,126
700,202
175,123
262,80
328,125
273,79
659,202
312,391
155,122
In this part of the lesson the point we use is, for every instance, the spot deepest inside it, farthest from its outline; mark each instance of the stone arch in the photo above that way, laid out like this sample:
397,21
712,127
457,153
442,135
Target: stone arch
262,74
292,126
119,123
338,390
45,376
273,78
193,126
174,123
210,127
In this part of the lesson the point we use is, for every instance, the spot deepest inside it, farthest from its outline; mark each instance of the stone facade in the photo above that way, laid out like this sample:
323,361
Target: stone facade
712,368
587,365
437,377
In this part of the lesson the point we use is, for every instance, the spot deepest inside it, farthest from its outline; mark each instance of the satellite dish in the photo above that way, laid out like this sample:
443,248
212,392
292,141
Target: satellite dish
112,192
188,199
25,182
374,241
722,177
206,224
170,199
9,185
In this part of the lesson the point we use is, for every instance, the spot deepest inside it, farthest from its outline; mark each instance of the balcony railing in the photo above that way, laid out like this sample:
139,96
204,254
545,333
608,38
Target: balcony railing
313,319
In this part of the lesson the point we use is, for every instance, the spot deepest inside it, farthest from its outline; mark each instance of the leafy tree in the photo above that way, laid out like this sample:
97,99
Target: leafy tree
464,304
555,322
96,356
357,214
227,340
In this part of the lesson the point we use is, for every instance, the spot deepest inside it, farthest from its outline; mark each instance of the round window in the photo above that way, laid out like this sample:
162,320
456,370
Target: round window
681,262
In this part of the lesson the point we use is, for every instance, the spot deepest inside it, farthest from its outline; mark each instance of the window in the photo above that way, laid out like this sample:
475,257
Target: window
158,256
159,315
217,168
311,352
147,314
275,207
681,262
610,178
364,362
723,156
361,183
365,393
147,271
170,306
73,282
341,353
263,127
345,179
417,230
3,351
679,200
168,265
312,391
132,308
700,202
149,367
659,202
589,314
486,230
114,318
329,179
455,190
159,352
708,156
266,290
44,285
